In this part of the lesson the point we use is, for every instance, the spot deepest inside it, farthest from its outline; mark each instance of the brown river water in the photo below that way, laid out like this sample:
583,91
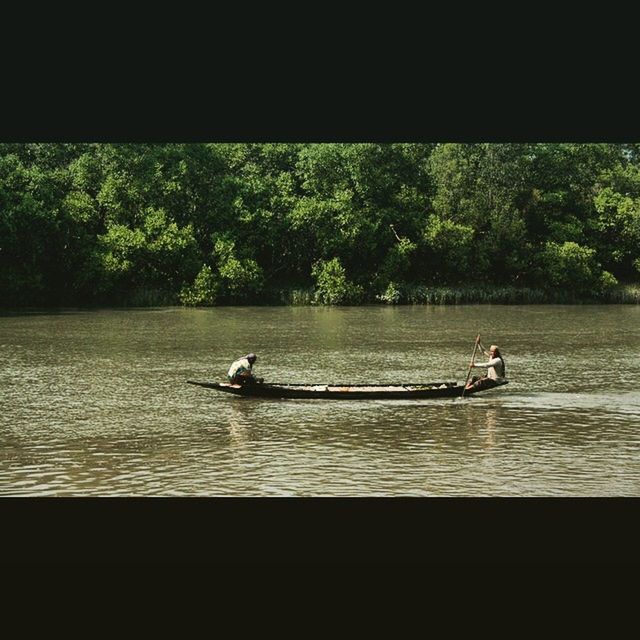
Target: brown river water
94,403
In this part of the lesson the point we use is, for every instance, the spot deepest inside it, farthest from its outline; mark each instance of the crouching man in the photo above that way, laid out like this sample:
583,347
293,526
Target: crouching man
241,371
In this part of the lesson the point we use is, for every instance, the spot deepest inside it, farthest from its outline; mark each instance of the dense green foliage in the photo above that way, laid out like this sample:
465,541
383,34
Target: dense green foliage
207,224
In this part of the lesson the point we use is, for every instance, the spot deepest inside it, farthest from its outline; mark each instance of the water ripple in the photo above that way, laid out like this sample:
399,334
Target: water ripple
96,404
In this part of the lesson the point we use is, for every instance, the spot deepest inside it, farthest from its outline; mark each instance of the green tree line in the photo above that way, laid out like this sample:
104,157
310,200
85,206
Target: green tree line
207,224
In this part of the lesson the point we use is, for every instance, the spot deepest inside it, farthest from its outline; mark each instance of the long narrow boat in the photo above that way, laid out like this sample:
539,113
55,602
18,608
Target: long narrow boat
345,391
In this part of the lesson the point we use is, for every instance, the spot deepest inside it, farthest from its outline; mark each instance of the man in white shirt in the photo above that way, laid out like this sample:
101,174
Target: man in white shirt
496,369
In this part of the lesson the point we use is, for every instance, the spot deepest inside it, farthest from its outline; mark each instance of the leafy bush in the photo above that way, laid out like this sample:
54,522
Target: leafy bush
119,250
203,291
397,262
607,282
332,285
574,267
392,294
241,279
450,243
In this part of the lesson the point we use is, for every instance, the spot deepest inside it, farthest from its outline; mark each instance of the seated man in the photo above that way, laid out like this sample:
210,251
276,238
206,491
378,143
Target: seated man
241,372
495,369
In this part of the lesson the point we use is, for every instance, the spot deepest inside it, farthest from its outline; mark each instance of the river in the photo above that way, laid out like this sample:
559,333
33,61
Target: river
94,402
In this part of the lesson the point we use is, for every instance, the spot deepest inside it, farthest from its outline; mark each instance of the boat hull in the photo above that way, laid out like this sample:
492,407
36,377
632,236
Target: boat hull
345,392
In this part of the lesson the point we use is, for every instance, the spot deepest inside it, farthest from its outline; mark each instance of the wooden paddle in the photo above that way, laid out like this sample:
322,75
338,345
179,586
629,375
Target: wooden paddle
475,348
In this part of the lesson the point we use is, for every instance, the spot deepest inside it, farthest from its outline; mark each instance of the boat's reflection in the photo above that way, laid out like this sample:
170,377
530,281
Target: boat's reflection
490,427
239,420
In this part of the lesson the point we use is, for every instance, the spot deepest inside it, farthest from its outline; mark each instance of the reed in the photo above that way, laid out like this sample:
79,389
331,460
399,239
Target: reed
147,297
477,294
405,294
422,294
624,294
294,297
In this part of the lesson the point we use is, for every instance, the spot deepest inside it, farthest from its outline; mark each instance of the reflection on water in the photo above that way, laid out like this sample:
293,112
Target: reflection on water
95,403
489,431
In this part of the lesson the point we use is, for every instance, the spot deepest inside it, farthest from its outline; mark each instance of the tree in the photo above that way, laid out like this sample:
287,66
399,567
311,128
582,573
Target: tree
617,224
480,187
573,267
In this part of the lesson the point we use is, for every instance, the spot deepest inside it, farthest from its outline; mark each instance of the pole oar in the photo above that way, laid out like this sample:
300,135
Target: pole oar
475,348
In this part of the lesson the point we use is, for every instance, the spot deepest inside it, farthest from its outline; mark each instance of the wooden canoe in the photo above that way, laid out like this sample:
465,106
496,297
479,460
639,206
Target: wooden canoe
345,391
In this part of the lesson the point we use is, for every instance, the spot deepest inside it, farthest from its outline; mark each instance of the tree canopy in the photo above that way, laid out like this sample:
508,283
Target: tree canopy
206,224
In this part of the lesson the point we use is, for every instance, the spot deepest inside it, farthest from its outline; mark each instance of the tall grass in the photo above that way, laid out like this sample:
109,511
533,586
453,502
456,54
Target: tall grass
422,294
418,295
467,294
624,294
482,295
288,297
147,297
298,297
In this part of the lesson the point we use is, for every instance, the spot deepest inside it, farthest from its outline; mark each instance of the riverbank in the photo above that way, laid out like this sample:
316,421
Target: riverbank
394,295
